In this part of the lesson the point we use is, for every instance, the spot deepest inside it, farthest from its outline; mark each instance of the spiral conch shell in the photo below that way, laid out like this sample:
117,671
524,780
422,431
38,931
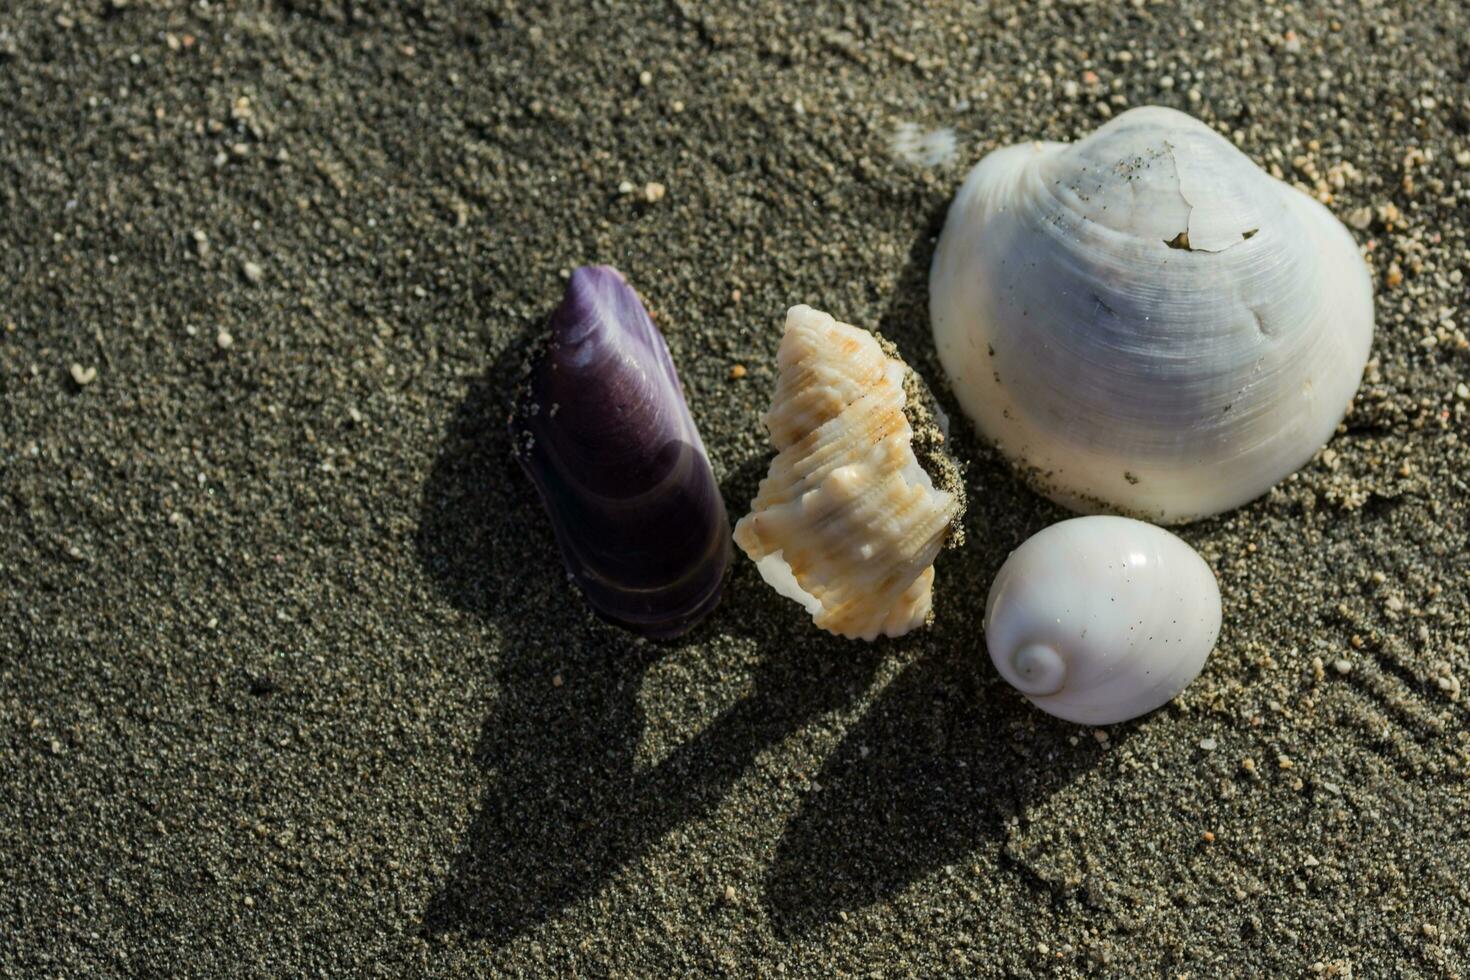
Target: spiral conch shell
1101,619
1146,322
847,522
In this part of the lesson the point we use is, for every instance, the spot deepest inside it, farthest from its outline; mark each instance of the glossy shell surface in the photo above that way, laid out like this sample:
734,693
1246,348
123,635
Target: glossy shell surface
1101,619
603,431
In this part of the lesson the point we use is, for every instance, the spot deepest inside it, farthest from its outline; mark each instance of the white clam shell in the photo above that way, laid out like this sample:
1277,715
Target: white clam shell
1101,619
847,522
1146,322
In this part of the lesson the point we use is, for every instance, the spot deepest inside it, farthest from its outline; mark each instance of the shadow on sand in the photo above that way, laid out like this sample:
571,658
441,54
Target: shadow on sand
565,805
947,753
921,779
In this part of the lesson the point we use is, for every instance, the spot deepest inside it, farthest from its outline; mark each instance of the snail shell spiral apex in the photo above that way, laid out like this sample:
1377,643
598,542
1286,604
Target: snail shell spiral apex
1101,619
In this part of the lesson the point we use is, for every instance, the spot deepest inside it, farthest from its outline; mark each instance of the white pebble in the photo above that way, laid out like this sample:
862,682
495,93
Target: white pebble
922,149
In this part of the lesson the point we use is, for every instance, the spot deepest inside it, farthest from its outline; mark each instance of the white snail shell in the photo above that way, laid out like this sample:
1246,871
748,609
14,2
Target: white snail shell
1146,322
1101,619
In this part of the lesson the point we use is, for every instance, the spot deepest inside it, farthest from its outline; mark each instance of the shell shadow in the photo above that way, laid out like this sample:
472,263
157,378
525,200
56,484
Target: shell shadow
948,752
905,320
566,804
928,774
931,774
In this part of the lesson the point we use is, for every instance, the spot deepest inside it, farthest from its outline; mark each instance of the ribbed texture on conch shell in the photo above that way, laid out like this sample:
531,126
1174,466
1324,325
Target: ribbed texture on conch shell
846,521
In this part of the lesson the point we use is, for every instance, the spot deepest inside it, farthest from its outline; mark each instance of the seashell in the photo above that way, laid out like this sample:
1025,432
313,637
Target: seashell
1101,619
1146,322
604,432
848,522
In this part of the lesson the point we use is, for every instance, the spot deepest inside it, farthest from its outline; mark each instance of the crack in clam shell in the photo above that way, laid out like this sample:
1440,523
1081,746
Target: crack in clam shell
1145,322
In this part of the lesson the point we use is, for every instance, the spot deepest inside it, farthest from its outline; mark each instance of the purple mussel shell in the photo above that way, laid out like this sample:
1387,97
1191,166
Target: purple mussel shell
603,430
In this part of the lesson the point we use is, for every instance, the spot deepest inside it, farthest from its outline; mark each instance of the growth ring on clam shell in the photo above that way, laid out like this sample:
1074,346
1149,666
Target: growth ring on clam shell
1101,619
603,430
1146,322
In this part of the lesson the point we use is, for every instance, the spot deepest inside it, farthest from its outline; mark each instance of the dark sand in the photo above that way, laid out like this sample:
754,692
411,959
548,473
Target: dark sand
293,682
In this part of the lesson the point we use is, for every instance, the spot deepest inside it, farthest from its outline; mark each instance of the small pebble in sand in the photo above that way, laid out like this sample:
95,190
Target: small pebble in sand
1249,765
224,339
1208,837
556,680
738,371
626,187
252,272
653,192
1284,762
83,376
1208,744
730,894
918,148
1342,666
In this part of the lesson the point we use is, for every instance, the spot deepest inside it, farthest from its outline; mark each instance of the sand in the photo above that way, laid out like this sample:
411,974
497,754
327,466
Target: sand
293,683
